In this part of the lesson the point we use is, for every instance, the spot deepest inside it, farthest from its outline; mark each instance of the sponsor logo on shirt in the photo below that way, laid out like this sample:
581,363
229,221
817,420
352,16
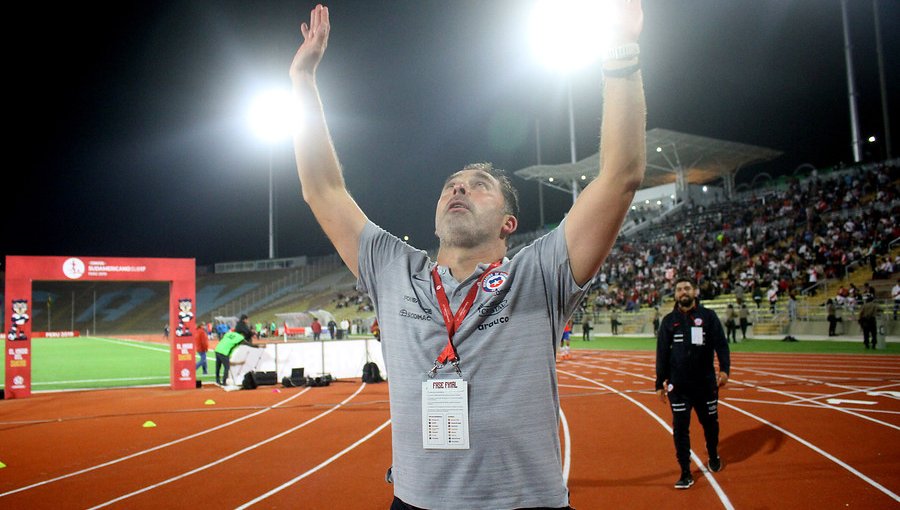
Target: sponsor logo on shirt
495,322
412,299
415,316
492,308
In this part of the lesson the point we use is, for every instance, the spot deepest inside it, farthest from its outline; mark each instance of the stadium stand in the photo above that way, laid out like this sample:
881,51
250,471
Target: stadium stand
823,234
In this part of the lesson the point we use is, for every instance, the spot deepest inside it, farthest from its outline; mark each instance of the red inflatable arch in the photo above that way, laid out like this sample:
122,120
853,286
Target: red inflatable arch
21,271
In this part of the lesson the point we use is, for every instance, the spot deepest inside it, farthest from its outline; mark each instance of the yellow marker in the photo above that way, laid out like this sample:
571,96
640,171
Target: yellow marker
149,424
2,465
210,402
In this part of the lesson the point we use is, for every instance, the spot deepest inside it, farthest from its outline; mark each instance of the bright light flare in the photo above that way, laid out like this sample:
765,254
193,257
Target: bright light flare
570,34
273,115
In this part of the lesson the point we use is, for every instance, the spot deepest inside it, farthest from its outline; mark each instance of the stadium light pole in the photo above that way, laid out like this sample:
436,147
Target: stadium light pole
681,189
567,35
271,116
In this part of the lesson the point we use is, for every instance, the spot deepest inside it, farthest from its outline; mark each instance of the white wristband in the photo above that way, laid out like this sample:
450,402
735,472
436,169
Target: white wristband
623,52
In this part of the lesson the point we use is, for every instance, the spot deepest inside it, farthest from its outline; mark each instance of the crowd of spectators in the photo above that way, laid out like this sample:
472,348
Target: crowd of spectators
767,244
355,299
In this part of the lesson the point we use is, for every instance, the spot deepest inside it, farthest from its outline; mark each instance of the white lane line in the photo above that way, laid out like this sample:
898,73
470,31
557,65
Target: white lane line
855,391
822,404
797,404
567,452
231,456
712,481
317,468
807,443
850,389
578,387
567,460
155,448
818,450
791,395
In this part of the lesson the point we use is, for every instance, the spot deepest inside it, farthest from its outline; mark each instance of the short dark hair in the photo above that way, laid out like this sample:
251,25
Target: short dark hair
685,278
510,193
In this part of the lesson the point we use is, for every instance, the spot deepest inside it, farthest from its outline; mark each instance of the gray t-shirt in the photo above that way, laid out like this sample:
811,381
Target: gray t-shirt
506,346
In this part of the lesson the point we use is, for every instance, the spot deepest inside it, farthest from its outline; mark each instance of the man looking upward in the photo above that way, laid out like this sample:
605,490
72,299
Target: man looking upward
468,340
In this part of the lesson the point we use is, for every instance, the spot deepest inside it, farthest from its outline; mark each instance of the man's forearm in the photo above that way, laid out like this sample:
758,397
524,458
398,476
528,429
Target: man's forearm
623,132
317,163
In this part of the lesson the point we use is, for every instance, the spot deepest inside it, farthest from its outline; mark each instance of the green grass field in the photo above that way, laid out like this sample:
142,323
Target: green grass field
92,362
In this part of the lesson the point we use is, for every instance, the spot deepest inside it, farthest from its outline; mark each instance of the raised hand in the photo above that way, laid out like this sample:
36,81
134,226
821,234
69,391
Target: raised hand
315,40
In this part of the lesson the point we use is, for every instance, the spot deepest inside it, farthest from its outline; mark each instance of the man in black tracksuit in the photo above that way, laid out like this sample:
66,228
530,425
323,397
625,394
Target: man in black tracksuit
686,373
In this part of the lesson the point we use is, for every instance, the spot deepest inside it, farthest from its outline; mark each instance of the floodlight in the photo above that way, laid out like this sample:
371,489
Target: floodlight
569,34
273,115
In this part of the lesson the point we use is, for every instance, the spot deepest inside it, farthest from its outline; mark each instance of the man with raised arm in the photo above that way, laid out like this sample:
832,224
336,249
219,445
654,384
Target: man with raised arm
469,338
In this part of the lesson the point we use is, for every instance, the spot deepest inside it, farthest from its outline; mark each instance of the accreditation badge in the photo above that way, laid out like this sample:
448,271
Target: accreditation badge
697,336
445,414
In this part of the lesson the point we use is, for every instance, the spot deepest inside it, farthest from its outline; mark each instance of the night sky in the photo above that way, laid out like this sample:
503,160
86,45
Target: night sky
129,134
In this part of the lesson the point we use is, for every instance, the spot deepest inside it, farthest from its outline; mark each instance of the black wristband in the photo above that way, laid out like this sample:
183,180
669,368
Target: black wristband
622,72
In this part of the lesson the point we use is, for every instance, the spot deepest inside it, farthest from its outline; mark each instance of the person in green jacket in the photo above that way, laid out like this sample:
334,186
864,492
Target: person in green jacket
225,347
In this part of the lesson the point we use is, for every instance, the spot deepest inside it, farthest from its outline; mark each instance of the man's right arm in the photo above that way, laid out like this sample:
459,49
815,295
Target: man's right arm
320,174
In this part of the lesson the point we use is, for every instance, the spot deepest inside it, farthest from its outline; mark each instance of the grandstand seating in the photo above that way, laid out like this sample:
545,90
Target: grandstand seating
757,233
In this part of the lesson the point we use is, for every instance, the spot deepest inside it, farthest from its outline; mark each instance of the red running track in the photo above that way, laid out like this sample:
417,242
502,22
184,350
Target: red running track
798,431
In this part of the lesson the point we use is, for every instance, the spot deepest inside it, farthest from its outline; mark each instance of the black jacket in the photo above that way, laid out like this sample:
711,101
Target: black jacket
679,360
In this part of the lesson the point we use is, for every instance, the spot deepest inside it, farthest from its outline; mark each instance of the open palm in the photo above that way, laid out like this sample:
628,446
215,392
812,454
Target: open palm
315,40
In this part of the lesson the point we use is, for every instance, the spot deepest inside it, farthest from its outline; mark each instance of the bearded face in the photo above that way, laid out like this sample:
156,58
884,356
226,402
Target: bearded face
470,211
685,294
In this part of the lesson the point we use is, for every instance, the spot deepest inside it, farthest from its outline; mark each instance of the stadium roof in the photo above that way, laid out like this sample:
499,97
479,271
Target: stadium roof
703,159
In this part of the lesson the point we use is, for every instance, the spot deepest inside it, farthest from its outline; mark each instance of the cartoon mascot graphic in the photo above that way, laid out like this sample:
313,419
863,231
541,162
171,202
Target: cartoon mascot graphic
184,317
19,318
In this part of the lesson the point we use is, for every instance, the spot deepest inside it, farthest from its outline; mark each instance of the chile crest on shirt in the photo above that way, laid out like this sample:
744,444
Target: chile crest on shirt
698,322
494,281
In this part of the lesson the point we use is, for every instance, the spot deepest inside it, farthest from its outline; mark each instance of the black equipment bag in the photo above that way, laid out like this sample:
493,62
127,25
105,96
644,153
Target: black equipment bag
249,383
371,373
296,378
319,380
265,378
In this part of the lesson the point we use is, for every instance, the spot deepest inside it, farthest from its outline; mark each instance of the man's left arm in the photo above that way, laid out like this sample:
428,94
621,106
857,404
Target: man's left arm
593,223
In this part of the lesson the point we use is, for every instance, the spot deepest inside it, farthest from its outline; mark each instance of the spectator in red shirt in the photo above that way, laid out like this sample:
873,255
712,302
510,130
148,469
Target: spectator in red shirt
316,328
201,343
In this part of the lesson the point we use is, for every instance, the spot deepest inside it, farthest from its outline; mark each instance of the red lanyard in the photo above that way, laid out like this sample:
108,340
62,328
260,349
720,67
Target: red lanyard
452,321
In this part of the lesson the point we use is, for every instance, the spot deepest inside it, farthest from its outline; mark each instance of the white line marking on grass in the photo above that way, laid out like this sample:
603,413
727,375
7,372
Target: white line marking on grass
155,448
136,345
712,481
231,456
82,381
333,458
